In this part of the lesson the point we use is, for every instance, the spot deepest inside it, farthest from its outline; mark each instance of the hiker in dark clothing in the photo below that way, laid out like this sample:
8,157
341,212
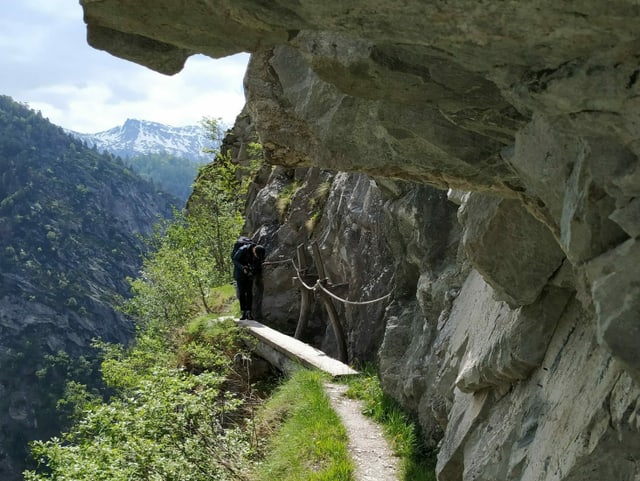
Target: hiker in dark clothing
247,266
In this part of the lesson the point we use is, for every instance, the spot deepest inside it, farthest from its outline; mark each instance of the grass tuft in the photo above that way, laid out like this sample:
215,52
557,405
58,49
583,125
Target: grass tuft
222,301
306,440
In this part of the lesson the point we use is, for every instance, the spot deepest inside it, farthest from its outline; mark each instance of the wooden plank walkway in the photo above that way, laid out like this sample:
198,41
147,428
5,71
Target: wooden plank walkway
288,353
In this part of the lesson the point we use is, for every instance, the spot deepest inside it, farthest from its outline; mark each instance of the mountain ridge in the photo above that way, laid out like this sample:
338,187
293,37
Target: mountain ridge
136,137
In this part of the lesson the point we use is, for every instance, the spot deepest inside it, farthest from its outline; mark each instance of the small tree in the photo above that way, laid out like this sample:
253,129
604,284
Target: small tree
217,204
191,254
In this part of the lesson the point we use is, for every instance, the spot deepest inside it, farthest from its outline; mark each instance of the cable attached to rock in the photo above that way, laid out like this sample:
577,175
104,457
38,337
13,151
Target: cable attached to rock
299,275
270,263
331,294
353,303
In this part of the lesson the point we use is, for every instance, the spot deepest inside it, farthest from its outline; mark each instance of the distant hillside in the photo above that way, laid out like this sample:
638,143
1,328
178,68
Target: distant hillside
172,174
136,137
70,220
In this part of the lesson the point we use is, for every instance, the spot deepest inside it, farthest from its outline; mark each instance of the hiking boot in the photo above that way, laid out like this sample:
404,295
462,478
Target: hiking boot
243,316
249,315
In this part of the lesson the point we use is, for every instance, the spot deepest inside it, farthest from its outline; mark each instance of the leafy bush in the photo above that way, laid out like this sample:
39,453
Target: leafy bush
171,425
196,353
164,420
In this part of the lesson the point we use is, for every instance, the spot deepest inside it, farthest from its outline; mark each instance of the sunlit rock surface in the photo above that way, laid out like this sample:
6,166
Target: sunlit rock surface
513,334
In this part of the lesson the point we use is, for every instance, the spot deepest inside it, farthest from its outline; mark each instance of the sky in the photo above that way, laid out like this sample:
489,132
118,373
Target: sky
47,64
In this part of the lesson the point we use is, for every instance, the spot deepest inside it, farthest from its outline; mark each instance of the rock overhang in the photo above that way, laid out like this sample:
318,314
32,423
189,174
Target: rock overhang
536,101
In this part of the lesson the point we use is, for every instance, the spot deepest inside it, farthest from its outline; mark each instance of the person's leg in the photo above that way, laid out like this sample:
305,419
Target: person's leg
258,289
249,298
244,296
235,286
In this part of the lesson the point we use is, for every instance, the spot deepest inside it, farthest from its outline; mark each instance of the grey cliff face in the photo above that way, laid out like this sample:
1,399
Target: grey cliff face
513,325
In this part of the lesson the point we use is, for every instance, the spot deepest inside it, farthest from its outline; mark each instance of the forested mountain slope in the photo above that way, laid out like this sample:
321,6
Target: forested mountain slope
171,173
70,225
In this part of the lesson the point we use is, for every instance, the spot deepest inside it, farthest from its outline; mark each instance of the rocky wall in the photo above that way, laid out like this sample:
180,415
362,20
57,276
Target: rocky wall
512,330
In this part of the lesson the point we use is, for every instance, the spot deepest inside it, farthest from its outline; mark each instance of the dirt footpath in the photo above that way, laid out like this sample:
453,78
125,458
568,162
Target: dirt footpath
369,450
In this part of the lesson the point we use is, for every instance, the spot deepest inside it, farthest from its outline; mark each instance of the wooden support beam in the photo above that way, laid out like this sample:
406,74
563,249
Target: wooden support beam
305,300
328,304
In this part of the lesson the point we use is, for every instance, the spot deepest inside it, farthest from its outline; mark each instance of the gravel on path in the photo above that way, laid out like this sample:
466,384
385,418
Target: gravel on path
370,451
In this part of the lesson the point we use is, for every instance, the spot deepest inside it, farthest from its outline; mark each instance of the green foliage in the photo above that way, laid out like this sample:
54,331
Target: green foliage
223,301
418,461
123,369
175,276
218,201
309,441
284,198
69,219
312,221
170,173
192,253
214,131
164,420
60,374
320,195
41,377
171,425
195,352
168,416
316,204
62,213
77,399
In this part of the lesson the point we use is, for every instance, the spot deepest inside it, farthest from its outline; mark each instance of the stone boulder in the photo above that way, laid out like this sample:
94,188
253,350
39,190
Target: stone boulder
515,253
615,287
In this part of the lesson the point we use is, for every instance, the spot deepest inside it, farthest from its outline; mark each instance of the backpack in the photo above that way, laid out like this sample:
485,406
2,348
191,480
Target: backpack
242,241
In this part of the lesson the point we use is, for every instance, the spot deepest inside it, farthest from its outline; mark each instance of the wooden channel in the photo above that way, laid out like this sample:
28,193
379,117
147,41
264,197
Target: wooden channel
287,353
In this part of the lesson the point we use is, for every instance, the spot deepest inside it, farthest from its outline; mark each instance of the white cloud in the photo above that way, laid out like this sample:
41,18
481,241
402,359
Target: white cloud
48,64
93,106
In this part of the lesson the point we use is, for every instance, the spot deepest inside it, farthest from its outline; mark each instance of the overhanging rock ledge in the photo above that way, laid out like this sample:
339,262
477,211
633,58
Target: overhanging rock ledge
530,108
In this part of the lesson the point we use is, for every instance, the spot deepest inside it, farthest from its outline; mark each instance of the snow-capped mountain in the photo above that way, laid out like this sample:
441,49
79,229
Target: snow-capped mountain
144,137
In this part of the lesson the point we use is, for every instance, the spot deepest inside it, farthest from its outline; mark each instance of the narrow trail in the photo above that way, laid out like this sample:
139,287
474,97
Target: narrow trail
372,456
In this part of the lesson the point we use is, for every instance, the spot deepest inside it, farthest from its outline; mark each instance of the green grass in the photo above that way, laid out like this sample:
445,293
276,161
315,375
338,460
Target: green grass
209,343
222,301
284,198
417,461
306,440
